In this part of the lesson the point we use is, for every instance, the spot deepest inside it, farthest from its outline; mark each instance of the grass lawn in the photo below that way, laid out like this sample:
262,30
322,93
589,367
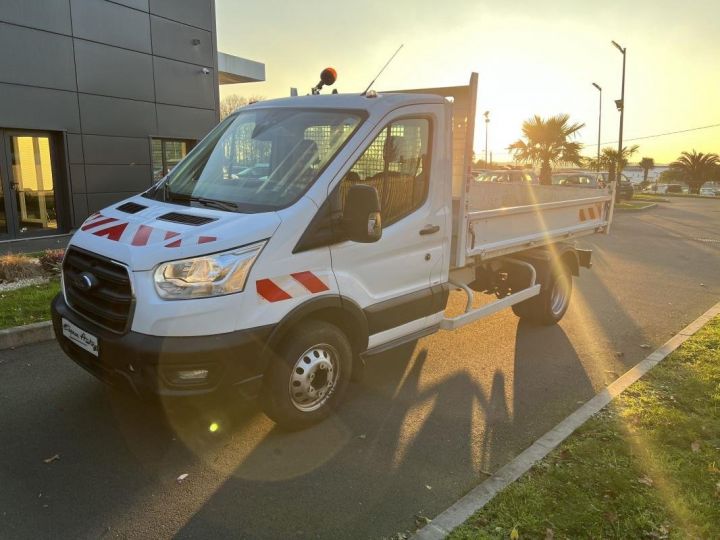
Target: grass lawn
27,305
681,195
647,466
649,198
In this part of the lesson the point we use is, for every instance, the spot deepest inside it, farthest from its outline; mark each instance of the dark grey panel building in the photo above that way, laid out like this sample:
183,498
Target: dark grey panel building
98,99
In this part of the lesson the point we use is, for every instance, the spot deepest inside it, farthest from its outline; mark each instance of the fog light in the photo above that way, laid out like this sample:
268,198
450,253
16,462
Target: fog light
192,375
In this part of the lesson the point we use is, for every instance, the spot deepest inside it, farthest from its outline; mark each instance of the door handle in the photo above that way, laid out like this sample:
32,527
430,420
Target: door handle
429,229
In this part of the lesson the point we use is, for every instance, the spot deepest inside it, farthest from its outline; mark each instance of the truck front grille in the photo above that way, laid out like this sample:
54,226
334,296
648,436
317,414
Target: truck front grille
98,289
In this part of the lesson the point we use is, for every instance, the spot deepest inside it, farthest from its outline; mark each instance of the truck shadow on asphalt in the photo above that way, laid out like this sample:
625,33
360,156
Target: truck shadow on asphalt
409,445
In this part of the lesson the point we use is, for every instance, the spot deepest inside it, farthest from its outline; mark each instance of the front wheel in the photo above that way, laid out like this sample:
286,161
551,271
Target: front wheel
551,304
308,375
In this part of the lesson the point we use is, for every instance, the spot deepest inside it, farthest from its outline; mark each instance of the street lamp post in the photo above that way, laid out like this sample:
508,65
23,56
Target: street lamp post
599,124
486,114
621,107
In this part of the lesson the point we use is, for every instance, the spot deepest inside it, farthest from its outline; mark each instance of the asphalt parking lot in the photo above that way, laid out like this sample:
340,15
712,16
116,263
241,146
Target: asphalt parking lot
423,428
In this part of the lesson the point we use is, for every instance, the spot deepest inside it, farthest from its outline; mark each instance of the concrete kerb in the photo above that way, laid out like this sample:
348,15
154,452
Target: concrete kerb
26,335
648,206
465,507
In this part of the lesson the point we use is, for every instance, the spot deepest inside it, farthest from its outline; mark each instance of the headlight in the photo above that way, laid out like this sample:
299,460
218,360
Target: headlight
210,275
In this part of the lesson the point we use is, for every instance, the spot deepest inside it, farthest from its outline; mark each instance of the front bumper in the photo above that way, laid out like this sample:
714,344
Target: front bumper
148,365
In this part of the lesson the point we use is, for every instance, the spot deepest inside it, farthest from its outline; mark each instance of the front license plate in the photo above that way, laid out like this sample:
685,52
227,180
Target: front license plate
80,337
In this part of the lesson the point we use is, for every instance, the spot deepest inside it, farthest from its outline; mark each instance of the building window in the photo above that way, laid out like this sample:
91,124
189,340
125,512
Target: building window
166,153
28,183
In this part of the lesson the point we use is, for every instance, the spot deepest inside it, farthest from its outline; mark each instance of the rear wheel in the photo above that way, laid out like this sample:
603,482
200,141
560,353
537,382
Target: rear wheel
307,376
551,304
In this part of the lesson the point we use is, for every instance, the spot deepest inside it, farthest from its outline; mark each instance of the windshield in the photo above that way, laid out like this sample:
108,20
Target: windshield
573,180
259,160
508,176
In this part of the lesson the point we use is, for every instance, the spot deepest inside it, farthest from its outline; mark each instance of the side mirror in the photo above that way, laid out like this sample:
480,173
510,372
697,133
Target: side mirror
361,217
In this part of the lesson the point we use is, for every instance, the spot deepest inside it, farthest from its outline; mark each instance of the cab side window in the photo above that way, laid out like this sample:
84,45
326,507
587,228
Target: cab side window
397,165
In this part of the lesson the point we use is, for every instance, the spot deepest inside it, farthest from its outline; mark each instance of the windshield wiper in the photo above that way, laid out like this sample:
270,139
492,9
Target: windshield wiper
213,203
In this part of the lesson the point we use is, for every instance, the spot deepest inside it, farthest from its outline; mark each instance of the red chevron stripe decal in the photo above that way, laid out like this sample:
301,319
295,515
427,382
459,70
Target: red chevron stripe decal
97,223
112,233
310,281
270,292
142,236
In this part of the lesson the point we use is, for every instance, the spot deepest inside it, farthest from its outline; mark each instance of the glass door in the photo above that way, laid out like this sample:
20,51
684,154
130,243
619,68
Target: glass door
5,203
28,184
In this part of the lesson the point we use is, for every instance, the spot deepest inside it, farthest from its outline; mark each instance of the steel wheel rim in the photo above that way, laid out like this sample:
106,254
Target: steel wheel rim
560,294
314,377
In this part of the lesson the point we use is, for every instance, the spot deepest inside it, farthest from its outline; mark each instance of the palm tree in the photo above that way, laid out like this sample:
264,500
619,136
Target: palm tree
696,168
547,143
646,163
610,159
589,163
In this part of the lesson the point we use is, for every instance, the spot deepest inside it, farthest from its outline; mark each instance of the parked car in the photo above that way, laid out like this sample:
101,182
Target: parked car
708,192
625,188
577,179
508,176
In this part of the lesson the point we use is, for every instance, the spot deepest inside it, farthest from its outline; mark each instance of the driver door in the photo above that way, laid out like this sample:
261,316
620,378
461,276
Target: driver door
392,278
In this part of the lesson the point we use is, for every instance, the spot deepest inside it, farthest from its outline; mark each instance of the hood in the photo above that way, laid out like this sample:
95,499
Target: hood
142,232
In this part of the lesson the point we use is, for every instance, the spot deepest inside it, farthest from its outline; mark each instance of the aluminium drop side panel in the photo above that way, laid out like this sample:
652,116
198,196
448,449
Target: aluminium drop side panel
568,213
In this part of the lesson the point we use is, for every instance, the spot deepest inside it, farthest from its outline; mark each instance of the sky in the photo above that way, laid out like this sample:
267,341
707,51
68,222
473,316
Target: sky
532,57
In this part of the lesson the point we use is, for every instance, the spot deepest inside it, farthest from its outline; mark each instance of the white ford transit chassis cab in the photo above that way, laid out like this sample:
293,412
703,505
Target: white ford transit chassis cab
304,234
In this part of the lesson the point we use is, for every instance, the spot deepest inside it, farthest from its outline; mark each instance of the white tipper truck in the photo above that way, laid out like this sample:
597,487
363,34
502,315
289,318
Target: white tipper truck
304,234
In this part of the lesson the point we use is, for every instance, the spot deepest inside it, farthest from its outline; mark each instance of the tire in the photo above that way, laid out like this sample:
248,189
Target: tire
550,305
307,376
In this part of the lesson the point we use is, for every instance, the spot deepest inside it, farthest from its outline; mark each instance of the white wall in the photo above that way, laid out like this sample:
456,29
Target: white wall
635,173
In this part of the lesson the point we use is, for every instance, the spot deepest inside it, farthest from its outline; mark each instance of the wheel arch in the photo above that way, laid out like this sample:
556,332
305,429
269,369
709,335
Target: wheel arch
571,260
333,309
544,258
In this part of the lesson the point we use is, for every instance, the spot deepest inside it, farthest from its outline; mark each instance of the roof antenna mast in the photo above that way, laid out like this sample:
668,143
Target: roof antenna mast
383,69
